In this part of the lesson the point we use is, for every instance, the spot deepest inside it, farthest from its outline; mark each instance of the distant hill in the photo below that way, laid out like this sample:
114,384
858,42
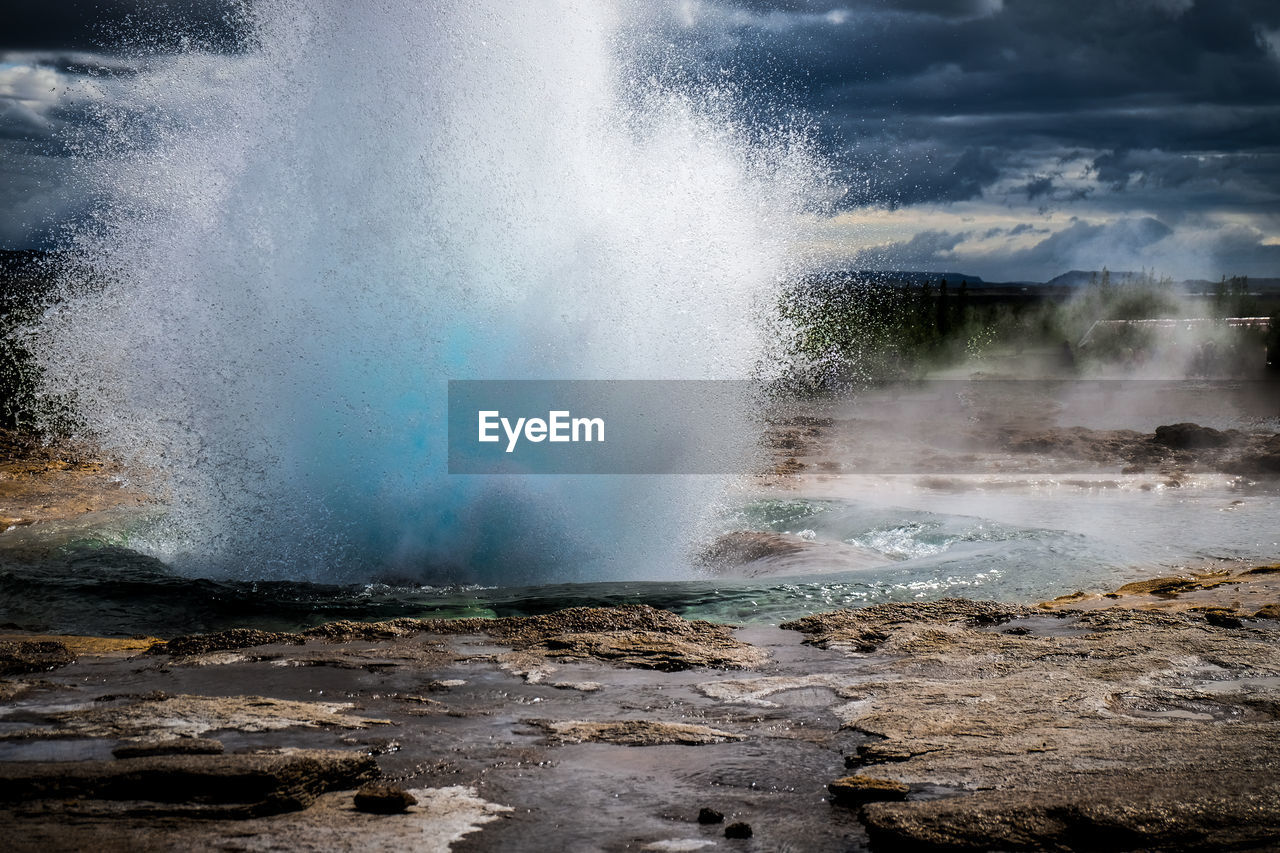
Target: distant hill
907,276
1252,285
1079,278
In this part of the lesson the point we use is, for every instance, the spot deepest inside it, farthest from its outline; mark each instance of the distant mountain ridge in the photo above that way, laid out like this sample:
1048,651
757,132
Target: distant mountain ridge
910,276
1067,280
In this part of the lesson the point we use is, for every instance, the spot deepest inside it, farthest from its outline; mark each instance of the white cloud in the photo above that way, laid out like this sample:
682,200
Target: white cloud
28,92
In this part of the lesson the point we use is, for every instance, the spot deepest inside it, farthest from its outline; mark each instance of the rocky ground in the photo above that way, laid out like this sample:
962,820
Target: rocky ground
53,482
1148,718
1004,428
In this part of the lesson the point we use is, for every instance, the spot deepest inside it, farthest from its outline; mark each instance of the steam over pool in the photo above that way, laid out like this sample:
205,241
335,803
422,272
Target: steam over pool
371,199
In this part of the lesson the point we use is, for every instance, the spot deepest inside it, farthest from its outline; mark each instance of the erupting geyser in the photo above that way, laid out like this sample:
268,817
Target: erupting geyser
299,242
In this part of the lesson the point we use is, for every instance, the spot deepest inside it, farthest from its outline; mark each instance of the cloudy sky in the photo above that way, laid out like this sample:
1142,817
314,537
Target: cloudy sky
1011,139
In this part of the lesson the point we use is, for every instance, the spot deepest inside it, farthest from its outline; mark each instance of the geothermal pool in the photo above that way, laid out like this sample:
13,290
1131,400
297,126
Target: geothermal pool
880,541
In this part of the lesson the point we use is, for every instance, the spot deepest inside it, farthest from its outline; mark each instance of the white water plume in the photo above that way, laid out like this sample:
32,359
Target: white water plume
298,244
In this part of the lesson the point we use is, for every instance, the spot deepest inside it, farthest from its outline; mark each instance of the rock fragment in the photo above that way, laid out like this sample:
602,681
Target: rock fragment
384,799
632,635
632,732
215,786
855,790
22,656
709,815
174,717
180,746
222,641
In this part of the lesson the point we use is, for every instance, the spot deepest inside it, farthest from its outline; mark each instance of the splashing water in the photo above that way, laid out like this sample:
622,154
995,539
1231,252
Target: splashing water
300,242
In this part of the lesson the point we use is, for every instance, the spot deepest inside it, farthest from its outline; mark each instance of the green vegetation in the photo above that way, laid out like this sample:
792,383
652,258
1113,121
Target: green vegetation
853,328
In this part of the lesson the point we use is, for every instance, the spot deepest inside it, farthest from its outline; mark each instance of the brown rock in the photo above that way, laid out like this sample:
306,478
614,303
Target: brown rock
633,635
234,786
1268,611
1189,436
707,815
885,752
855,790
865,629
20,656
160,717
181,746
1221,617
346,630
236,638
1110,818
747,546
738,830
384,799
631,732
1160,586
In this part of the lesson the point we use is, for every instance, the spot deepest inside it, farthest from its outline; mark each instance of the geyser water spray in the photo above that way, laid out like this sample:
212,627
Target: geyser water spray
297,244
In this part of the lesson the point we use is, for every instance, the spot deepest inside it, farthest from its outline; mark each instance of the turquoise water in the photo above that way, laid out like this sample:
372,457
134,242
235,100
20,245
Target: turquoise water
912,543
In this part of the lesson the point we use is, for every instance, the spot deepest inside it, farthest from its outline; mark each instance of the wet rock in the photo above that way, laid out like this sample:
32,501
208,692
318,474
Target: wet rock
580,686
1189,436
1182,444
855,790
223,786
747,546
1221,617
1172,586
1268,611
866,629
738,830
750,553
23,656
633,635
236,638
1109,729
180,746
885,752
632,732
660,651
81,645
347,630
755,691
1255,464
709,815
1120,813
179,716
384,799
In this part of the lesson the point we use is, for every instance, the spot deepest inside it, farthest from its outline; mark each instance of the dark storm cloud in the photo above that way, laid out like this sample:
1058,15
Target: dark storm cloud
908,173
57,59
89,25
1115,111
1170,76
